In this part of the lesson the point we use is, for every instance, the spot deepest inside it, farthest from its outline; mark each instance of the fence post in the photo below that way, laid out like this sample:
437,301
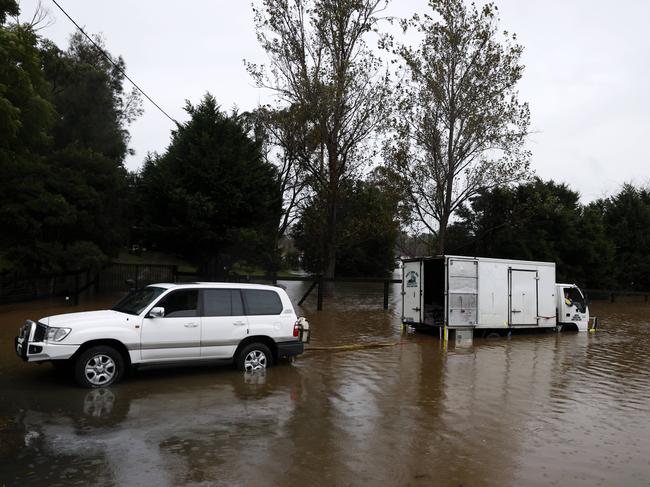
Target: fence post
386,294
309,290
175,273
319,305
137,269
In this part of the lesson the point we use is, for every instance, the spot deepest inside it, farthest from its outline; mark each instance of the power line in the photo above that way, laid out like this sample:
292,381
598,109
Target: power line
113,62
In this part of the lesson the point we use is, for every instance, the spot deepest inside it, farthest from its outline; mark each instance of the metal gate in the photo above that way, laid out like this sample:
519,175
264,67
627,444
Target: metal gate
114,276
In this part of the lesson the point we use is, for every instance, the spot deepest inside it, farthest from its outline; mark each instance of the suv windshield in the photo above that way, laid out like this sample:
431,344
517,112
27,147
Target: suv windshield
135,302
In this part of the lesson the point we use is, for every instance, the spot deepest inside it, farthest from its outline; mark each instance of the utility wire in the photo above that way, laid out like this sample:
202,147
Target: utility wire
113,62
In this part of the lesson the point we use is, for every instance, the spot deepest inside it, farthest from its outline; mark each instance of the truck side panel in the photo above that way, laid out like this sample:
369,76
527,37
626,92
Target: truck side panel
494,289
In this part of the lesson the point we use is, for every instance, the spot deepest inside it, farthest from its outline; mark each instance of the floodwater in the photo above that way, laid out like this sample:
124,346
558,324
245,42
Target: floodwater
549,409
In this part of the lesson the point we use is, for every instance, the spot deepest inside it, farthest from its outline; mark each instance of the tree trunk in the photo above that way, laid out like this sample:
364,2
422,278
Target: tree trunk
442,235
329,256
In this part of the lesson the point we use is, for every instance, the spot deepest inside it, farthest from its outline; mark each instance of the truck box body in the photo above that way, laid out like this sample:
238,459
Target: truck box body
477,292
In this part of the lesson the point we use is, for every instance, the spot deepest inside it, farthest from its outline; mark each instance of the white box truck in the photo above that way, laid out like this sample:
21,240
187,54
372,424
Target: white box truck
491,295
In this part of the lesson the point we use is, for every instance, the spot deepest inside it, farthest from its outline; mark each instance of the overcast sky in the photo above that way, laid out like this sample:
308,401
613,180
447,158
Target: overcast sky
586,78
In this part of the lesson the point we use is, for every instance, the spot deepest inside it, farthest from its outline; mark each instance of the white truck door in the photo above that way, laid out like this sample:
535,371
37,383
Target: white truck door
523,297
412,292
462,292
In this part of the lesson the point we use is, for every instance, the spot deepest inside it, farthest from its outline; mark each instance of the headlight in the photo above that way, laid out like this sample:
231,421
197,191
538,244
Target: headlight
56,334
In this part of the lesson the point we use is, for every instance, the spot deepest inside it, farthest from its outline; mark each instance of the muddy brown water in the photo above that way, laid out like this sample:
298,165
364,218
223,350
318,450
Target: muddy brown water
549,409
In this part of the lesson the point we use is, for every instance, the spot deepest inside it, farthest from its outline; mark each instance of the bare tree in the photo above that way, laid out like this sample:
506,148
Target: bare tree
321,67
458,125
283,143
41,18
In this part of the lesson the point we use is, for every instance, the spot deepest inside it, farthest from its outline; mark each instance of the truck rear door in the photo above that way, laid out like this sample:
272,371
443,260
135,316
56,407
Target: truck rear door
412,292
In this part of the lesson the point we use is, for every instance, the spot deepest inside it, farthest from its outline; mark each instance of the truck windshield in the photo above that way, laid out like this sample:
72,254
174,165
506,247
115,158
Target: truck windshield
135,302
575,297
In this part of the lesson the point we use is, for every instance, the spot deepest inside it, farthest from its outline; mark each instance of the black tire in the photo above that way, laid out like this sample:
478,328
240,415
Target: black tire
493,335
109,367
246,356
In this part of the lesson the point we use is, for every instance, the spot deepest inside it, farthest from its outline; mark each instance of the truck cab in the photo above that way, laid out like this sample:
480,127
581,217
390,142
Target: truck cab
572,309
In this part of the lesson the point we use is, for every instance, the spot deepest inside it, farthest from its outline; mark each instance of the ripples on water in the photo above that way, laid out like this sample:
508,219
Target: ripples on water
567,409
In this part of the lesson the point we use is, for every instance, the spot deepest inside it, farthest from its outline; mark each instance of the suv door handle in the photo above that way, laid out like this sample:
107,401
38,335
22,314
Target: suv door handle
191,325
239,323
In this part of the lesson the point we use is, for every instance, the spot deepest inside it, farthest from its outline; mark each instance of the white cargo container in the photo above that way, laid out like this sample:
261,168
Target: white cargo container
469,293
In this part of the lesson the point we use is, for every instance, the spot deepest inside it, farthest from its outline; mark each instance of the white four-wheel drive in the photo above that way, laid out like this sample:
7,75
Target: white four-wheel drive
248,324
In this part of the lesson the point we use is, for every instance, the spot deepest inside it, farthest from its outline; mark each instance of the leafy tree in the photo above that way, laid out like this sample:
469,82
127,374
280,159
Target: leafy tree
458,126
64,117
90,143
211,197
367,231
539,220
89,94
8,8
321,67
627,219
27,206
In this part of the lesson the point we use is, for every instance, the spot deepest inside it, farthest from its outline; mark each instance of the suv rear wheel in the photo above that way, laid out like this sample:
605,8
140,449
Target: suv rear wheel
255,356
98,366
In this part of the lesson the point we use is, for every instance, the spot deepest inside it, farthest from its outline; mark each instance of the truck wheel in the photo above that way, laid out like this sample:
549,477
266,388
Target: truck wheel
254,356
98,366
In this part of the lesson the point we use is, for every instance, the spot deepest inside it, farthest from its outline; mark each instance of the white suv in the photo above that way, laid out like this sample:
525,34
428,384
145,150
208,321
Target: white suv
252,325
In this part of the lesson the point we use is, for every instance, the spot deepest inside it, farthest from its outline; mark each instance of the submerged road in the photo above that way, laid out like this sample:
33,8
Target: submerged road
549,409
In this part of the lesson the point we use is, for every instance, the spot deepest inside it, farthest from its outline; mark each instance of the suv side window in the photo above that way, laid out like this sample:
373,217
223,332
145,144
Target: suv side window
260,302
179,304
222,302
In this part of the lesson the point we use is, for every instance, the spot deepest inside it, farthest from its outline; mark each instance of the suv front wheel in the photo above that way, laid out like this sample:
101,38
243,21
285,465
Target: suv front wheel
98,366
255,356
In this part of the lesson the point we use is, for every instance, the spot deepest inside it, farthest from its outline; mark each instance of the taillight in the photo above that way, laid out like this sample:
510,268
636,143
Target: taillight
296,329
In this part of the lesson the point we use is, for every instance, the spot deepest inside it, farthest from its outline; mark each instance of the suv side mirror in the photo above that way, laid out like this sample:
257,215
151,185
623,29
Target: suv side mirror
157,312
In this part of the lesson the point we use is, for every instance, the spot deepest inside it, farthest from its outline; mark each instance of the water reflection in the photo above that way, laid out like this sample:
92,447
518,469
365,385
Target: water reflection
536,410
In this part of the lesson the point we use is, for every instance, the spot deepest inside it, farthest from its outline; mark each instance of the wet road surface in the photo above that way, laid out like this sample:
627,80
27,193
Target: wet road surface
549,409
